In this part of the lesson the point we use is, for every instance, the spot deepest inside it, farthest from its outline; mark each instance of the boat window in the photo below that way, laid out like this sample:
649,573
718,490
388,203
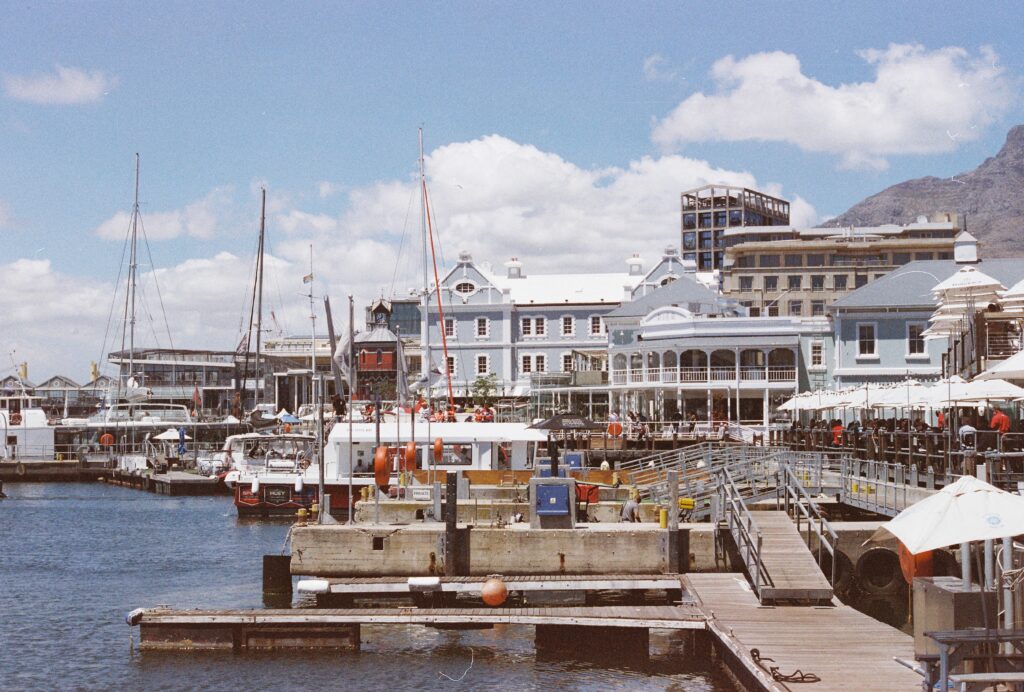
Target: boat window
457,455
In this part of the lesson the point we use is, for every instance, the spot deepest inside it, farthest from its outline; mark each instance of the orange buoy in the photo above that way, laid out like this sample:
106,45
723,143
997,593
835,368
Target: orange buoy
438,449
107,440
381,472
919,565
615,429
494,592
410,457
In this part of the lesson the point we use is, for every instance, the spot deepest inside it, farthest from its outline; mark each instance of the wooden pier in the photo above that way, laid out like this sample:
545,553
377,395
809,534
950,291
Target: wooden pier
174,483
843,647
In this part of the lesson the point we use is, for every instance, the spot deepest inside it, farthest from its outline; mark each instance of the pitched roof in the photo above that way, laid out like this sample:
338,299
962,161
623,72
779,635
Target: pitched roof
682,292
911,285
548,289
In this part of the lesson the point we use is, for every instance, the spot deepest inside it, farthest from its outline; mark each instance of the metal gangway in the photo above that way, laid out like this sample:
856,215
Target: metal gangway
779,564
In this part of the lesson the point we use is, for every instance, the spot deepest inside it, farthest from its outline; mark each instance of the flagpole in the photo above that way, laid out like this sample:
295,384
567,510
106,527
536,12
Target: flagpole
351,395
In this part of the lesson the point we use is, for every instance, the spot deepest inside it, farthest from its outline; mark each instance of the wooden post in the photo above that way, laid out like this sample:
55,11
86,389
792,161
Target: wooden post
451,515
672,546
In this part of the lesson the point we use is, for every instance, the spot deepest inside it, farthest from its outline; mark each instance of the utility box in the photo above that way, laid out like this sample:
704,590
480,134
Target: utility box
551,503
941,605
573,460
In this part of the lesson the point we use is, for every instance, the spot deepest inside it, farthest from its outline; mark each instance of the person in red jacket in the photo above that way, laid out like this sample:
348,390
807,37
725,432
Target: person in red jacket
1000,422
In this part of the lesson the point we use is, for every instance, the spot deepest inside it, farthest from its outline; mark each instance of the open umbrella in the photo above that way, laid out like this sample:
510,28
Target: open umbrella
566,421
288,418
1010,369
968,510
987,390
170,435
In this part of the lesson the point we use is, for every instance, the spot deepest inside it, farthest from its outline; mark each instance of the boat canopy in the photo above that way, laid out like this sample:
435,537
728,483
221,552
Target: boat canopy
448,432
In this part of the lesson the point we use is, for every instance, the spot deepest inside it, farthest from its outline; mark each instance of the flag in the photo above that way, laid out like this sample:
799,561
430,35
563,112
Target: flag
197,398
343,360
308,278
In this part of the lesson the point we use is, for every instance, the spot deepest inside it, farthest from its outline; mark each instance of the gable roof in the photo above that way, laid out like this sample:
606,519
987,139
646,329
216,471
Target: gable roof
910,286
58,382
682,292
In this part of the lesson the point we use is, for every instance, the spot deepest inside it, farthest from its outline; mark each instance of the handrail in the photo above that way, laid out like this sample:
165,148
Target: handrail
744,530
809,510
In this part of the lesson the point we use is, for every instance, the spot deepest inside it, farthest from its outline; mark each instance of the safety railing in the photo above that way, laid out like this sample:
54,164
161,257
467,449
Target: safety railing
744,530
799,505
876,486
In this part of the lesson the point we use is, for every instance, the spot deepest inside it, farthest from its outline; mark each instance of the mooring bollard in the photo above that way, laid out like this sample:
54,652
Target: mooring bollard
277,576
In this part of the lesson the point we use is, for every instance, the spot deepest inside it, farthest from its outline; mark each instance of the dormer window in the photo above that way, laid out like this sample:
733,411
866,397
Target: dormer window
464,287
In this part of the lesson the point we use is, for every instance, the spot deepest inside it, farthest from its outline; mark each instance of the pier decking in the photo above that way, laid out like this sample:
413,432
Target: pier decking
790,566
843,647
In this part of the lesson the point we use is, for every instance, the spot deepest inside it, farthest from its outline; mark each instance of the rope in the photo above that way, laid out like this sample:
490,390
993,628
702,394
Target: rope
796,676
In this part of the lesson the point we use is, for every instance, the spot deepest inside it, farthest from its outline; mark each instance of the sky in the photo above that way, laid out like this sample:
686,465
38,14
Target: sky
560,133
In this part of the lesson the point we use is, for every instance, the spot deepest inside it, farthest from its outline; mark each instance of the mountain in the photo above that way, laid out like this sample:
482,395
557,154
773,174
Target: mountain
990,197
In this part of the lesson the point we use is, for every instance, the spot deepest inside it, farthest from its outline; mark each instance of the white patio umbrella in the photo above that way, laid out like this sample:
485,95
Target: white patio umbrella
1010,369
987,390
968,510
968,282
170,435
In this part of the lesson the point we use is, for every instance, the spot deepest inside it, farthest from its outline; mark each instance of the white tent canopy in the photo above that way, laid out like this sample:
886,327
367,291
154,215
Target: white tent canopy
968,510
170,435
1010,369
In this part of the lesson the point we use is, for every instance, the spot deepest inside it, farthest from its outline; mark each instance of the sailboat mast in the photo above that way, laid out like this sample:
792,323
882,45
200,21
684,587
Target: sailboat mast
425,332
257,388
132,267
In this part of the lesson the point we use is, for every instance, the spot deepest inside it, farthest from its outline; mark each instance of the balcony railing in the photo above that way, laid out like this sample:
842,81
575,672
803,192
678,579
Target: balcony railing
703,375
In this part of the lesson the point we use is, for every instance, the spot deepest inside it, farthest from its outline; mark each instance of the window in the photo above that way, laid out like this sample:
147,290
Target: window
817,354
568,326
566,362
449,326
817,282
539,364
915,340
526,326
746,283
768,261
839,282
451,366
771,283
796,308
865,339
922,255
483,326
755,312
538,326
596,325
527,365
793,282
860,280
817,308
794,260
773,310
745,262
483,365
464,287
900,258
815,260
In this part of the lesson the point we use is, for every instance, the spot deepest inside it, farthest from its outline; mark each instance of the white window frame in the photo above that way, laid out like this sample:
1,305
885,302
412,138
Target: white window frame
454,325
602,327
487,327
453,367
543,324
572,325
487,364
923,355
525,364
565,355
542,359
526,326
874,338
820,345
471,291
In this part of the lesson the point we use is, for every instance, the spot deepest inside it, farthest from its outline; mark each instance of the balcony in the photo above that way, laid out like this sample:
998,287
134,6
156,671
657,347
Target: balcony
712,375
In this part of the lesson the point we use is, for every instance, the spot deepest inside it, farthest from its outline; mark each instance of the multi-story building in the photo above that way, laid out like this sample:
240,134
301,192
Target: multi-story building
518,326
174,375
709,212
798,272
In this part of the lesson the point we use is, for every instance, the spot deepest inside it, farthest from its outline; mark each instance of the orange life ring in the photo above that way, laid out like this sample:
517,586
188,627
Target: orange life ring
381,470
410,457
438,450
107,440
615,429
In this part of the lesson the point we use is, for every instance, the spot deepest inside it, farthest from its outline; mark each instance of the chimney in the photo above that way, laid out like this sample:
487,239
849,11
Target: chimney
515,268
636,265
465,257
965,248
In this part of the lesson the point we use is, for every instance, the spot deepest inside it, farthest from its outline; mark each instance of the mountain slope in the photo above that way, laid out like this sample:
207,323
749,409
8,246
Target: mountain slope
991,196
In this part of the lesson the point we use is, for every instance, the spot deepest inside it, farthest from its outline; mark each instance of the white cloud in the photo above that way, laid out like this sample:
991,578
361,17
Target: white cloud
657,69
920,102
66,86
201,219
326,188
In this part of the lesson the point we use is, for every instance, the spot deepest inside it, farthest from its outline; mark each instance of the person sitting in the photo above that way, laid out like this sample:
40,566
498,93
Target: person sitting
631,510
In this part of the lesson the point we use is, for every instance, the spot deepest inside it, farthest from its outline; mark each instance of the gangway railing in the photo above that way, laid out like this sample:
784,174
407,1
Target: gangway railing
805,510
743,529
876,486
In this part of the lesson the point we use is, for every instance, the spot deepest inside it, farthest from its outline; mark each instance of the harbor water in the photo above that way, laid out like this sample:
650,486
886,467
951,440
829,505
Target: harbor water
76,558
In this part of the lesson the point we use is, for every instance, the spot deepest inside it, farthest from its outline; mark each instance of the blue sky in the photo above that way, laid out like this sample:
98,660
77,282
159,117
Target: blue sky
623,104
